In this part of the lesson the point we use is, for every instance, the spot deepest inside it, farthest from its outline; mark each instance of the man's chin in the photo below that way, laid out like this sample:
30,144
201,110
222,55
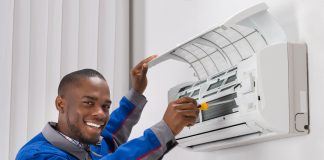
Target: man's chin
92,140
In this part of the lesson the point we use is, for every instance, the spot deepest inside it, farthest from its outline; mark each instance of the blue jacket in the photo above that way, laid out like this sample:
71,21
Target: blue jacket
155,142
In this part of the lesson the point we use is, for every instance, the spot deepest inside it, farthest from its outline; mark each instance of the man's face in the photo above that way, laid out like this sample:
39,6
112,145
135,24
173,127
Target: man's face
86,109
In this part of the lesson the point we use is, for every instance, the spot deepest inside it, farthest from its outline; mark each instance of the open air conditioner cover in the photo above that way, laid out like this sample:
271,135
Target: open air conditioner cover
254,81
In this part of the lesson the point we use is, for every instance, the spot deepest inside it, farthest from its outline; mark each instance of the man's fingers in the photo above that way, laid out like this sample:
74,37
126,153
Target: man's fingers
149,59
144,69
187,109
185,106
145,61
188,113
186,100
181,113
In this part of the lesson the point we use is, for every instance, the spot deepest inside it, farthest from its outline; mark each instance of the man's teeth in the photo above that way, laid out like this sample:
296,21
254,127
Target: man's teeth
93,124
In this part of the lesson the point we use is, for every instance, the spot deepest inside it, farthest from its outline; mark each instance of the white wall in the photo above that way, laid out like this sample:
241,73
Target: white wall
167,23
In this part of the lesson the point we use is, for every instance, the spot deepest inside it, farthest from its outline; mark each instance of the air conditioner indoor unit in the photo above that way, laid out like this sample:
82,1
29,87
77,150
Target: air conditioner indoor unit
254,81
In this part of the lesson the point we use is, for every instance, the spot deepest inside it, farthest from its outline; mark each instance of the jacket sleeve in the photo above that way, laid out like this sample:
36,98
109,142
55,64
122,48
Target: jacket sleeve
124,118
155,142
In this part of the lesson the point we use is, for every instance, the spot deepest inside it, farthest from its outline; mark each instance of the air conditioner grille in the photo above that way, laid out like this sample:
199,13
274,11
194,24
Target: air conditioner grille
220,107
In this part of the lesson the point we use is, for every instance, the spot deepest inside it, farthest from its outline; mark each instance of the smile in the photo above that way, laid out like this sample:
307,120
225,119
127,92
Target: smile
94,124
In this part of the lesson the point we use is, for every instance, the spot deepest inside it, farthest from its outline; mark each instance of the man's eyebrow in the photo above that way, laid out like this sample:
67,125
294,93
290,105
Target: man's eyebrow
108,101
90,97
95,98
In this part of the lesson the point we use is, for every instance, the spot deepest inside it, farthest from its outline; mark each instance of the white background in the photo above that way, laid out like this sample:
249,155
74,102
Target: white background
159,25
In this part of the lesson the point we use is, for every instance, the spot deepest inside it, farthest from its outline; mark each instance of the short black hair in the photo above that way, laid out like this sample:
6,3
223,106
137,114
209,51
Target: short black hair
75,76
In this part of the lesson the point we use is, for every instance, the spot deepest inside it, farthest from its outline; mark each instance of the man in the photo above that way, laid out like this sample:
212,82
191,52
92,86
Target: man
85,131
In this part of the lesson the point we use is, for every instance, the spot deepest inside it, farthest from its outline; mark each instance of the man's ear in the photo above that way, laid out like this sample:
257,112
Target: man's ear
60,104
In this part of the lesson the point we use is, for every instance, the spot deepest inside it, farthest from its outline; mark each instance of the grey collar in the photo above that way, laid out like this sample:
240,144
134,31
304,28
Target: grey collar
56,139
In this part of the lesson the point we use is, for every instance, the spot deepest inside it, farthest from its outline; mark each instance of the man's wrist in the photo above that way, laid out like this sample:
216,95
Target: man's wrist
165,136
136,98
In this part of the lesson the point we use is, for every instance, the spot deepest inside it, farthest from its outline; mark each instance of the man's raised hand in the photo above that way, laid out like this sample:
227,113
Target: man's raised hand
138,75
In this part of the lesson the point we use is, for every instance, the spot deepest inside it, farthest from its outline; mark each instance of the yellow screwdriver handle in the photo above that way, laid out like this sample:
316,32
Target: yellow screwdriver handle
203,106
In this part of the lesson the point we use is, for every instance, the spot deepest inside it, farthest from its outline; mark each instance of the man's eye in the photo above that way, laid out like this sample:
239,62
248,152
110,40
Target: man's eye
107,107
88,103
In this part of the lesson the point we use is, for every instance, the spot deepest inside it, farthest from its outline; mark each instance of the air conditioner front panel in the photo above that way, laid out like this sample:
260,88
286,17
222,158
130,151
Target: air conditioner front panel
272,77
251,119
217,135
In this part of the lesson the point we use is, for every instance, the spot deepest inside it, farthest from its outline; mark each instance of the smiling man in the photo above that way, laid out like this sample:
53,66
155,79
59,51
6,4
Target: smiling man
85,131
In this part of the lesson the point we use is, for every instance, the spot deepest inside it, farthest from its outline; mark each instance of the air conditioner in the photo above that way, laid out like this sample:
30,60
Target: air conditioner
254,81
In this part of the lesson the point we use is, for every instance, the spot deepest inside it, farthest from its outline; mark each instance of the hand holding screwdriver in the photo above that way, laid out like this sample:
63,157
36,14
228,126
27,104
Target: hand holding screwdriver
180,113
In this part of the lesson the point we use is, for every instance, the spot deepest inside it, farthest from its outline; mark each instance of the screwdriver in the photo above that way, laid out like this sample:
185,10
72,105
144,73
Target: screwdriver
203,106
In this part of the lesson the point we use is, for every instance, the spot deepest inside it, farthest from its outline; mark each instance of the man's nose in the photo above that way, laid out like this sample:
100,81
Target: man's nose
99,112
